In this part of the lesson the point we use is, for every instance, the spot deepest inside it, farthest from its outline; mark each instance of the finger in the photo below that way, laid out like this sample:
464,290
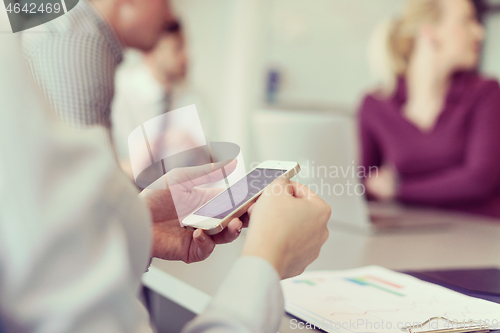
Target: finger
230,233
206,194
203,174
213,172
302,191
205,245
280,185
250,209
245,218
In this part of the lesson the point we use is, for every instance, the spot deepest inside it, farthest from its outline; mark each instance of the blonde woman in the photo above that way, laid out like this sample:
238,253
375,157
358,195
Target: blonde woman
433,127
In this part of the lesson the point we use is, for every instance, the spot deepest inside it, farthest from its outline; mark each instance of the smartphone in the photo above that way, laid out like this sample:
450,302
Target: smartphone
233,202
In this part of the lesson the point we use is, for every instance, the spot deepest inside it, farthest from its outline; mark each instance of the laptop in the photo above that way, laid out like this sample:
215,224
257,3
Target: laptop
325,145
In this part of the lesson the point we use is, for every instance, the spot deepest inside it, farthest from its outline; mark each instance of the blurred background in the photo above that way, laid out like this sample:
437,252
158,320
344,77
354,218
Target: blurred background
248,56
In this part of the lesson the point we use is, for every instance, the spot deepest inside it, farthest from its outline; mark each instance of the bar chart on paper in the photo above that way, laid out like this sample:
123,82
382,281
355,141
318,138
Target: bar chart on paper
378,283
375,299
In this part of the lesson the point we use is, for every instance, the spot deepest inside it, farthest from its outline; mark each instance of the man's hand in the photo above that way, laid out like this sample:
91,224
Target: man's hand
173,242
288,226
180,198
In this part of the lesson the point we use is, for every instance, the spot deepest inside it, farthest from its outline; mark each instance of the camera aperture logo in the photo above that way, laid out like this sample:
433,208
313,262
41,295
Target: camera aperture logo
26,14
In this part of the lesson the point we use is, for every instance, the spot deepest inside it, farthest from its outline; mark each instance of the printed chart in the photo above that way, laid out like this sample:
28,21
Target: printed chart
375,299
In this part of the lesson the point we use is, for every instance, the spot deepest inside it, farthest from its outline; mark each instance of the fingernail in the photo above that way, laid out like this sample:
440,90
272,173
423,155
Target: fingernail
200,236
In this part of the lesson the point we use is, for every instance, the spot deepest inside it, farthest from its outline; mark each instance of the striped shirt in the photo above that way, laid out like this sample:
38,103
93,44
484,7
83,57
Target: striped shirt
73,59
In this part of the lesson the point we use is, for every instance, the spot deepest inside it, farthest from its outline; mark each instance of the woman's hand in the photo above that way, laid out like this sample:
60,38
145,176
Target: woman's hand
384,185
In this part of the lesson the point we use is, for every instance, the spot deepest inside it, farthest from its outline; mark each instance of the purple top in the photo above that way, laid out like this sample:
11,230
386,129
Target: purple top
456,164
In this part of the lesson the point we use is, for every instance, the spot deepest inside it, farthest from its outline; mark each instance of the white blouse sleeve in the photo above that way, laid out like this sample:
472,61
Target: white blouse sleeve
74,237
249,300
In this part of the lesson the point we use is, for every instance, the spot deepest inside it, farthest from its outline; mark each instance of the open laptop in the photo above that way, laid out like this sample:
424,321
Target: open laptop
325,146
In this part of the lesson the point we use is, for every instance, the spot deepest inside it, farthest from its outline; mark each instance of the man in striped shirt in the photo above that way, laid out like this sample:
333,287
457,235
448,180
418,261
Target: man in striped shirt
74,57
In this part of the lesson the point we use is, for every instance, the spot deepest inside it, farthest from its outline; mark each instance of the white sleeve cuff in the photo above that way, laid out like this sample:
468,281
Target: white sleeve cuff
249,300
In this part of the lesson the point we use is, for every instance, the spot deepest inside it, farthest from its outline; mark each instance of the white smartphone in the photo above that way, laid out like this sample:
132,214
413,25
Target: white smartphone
233,202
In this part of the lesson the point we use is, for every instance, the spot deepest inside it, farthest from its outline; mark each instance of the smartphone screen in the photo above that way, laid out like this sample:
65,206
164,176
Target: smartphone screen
242,191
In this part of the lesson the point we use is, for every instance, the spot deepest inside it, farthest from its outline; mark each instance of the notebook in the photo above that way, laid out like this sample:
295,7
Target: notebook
480,281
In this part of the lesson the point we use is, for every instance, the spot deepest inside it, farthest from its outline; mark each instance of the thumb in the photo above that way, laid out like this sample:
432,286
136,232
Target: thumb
281,185
205,245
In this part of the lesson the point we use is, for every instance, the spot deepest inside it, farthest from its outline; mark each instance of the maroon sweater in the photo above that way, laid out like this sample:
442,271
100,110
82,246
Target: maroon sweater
455,165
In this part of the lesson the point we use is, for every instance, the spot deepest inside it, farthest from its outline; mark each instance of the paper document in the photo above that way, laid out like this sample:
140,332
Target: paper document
375,299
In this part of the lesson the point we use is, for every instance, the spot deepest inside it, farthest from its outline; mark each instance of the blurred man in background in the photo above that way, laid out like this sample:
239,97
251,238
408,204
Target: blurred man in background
151,86
74,58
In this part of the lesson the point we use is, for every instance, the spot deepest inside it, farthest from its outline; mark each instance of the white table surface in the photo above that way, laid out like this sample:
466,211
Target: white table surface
469,242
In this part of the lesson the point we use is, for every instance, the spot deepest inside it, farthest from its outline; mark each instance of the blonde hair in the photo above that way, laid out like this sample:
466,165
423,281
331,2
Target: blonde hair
393,41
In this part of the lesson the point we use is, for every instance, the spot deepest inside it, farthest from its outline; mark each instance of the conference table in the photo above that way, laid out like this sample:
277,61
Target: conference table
464,241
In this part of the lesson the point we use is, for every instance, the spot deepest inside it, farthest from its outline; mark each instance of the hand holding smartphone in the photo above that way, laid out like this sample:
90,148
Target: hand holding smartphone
233,202
288,227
